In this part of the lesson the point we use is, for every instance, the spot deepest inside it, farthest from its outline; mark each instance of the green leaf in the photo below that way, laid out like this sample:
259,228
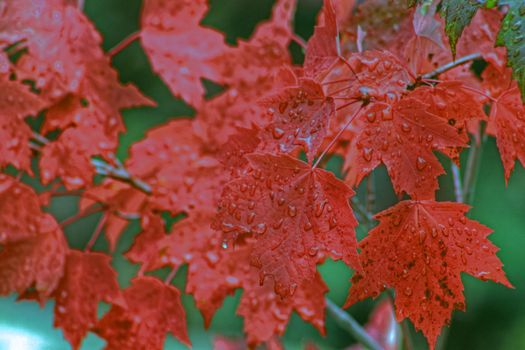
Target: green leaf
458,14
512,36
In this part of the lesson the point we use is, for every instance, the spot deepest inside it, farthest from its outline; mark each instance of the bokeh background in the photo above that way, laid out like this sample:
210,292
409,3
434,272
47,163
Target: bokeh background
495,317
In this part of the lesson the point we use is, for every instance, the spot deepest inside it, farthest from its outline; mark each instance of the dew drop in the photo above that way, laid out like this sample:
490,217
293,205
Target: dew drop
260,229
367,153
292,211
251,217
277,133
421,163
224,245
405,127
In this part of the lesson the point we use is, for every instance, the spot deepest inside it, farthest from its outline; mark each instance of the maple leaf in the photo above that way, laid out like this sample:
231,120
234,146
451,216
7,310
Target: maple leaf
402,136
457,14
297,215
511,36
214,273
507,123
175,162
172,37
65,61
20,213
480,36
153,309
301,115
88,279
253,63
16,103
420,248
35,261
323,47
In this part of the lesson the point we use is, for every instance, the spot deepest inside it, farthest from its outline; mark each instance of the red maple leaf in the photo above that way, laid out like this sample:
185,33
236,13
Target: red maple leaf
402,135
88,279
323,47
36,261
420,248
172,37
177,164
16,103
153,309
300,117
507,122
214,273
297,214
20,213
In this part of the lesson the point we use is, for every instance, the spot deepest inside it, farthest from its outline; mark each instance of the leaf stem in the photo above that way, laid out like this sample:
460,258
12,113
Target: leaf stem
334,140
97,232
82,214
449,66
458,188
348,323
171,275
124,43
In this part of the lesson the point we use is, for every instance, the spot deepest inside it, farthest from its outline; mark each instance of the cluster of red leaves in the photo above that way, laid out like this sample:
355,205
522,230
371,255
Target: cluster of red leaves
361,93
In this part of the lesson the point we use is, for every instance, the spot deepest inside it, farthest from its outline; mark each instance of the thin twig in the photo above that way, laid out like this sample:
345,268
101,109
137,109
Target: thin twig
334,140
124,43
171,275
450,65
300,41
81,214
458,188
348,323
97,232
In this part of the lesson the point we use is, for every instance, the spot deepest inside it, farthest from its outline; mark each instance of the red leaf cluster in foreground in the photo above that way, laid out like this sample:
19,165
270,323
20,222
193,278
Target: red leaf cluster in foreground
256,217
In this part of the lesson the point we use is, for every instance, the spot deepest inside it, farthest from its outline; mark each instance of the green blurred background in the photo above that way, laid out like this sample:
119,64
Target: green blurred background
494,317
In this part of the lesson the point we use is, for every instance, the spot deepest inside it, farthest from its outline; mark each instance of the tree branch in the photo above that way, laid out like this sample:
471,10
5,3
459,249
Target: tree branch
450,66
348,323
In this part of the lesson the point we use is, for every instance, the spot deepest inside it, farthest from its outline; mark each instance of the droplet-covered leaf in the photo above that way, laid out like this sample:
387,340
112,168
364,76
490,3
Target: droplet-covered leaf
172,37
297,215
512,36
507,123
403,136
153,309
457,14
88,279
420,248
323,47
300,117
